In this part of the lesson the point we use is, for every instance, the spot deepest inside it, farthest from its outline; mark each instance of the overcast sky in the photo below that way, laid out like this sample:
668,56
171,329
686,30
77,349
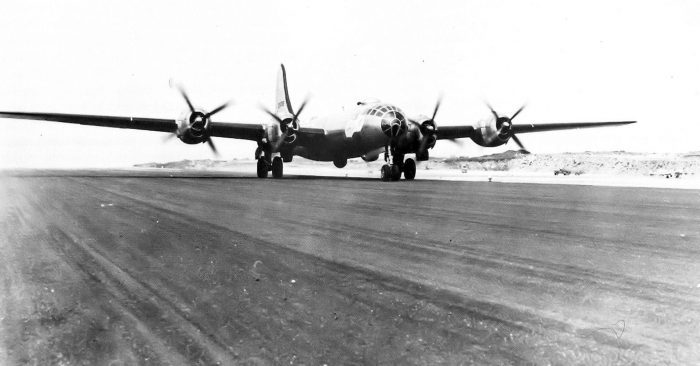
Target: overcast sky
569,61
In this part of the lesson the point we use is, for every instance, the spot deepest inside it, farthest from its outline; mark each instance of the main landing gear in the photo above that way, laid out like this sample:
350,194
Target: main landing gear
276,167
392,172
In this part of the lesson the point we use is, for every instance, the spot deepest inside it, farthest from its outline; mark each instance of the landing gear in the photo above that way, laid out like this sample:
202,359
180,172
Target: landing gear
386,172
395,172
263,167
392,171
409,169
277,167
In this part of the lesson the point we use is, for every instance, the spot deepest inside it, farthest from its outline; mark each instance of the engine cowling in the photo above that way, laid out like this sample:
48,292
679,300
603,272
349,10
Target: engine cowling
194,127
428,129
497,133
289,127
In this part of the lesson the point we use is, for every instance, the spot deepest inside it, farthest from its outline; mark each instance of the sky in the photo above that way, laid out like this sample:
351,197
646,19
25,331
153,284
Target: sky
568,61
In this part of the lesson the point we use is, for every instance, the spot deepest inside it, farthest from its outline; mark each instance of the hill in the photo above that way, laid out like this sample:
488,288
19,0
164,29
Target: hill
612,162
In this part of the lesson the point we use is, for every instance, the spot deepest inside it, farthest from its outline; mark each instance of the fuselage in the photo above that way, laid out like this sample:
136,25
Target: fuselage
364,130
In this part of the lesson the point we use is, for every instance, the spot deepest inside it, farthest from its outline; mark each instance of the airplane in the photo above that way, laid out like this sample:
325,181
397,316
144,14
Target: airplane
371,129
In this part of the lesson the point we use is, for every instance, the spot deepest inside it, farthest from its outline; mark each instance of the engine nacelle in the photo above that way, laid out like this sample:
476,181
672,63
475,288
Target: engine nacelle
290,127
372,155
428,129
493,134
193,127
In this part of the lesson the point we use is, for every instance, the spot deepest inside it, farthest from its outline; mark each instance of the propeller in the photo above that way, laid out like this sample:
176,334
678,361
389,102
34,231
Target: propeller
504,125
428,128
198,120
287,128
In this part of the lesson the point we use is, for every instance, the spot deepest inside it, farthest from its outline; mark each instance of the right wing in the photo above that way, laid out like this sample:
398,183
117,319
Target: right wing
244,131
149,124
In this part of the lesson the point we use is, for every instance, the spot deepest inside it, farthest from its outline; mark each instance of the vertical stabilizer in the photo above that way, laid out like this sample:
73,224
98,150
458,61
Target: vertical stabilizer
282,102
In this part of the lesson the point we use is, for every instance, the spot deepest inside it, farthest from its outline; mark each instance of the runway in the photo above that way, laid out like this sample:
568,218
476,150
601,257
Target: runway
141,267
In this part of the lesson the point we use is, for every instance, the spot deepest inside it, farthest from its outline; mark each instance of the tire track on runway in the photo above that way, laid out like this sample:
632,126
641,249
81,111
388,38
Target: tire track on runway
490,261
523,320
144,306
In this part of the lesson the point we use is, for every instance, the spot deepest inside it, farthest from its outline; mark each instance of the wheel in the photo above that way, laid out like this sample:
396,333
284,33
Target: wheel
386,172
395,172
340,162
277,167
409,169
262,168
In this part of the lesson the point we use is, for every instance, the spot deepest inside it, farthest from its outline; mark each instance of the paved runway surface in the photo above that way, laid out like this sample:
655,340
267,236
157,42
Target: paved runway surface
142,268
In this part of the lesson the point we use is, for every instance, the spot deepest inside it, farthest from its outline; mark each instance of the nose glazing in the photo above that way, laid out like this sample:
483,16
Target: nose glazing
393,123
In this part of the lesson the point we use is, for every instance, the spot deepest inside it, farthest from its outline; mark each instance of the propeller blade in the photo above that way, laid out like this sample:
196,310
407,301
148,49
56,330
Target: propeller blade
217,109
457,142
169,137
437,107
212,146
517,141
492,111
280,141
301,108
184,95
423,144
518,112
274,116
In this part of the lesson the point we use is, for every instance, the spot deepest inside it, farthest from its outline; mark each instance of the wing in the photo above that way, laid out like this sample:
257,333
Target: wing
219,129
311,135
243,131
149,124
532,127
454,132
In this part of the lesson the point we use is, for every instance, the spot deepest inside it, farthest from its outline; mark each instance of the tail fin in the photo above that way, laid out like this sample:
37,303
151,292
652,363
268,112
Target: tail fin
282,103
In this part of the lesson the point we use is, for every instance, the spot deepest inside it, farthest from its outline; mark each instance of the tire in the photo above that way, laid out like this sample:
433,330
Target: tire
340,162
262,168
409,169
277,167
395,172
386,172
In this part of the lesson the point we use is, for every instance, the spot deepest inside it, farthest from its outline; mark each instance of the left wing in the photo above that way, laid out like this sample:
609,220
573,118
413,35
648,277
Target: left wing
531,127
457,132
